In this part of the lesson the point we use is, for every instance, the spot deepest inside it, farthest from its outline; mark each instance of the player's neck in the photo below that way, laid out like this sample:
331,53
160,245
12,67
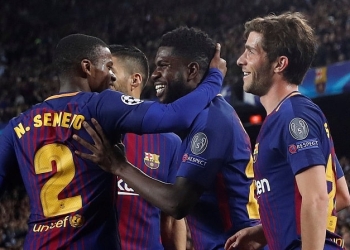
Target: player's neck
276,94
69,87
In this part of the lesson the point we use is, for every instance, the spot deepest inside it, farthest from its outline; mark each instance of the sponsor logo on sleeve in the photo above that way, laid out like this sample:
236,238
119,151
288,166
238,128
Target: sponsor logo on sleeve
195,160
303,145
129,100
298,128
199,143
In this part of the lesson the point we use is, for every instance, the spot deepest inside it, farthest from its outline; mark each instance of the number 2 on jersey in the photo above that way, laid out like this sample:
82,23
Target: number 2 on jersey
62,157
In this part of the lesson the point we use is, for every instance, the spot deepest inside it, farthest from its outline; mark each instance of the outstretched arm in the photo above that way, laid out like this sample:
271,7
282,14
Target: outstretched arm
180,114
174,199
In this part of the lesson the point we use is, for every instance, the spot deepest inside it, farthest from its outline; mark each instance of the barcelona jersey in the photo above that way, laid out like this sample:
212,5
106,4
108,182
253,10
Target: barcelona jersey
216,155
157,155
292,138
72,200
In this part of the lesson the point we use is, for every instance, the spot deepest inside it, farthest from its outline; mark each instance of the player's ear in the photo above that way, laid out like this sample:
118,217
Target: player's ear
193,70
281,63
136,80
86,66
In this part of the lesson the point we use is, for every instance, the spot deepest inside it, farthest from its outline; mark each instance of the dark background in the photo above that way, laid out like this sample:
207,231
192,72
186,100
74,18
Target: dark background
335,107
30,30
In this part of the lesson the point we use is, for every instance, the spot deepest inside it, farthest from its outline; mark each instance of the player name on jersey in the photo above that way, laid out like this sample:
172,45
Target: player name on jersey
51,119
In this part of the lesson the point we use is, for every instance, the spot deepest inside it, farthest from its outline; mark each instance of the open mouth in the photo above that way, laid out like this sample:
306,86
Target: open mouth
159,89
245,74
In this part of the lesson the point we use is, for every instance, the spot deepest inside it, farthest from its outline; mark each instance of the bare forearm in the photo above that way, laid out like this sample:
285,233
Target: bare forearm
314,207
313,224
343,197
158,193
173,233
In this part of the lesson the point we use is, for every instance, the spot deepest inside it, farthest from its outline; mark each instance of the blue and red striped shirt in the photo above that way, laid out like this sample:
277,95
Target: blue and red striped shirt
292,138
157,155
216,154
72,201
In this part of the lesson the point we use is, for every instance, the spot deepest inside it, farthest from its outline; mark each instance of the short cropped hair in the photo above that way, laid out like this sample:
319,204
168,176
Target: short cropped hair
288,35
72,49
191,43
136,59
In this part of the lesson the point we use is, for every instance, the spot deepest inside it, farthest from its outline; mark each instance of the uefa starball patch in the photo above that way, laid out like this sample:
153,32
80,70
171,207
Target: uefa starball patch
199,143
129,100
298,128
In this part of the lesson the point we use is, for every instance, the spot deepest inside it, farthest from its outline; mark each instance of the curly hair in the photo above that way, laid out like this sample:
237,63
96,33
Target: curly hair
191,43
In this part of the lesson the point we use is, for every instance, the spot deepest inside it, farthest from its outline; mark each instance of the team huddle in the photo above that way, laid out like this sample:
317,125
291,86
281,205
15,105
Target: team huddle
105,169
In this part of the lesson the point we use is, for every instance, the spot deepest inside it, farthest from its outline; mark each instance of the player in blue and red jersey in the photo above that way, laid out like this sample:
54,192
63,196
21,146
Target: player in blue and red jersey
72,201
142,225
214,186
294,158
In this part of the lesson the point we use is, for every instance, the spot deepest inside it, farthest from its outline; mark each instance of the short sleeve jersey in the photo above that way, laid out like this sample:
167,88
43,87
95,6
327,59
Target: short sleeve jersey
72,201
294,137
157,155
216,155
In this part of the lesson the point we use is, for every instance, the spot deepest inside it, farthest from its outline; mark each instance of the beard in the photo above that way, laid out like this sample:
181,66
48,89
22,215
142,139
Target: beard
261,81
176,89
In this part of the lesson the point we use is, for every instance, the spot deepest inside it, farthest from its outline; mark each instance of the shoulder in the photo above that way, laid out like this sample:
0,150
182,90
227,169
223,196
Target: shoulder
298,106
108,94
218,108
170,137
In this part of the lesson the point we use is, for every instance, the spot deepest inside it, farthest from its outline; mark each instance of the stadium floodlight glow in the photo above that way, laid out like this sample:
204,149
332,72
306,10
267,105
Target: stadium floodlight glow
255,119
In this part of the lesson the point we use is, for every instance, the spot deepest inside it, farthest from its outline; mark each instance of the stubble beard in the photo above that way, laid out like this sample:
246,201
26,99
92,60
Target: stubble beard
260,83
175,90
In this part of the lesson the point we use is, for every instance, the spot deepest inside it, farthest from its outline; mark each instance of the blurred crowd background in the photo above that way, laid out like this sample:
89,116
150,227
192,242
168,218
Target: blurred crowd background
31,29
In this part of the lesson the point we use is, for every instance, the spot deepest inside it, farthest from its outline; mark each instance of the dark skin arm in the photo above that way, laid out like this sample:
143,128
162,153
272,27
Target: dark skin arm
174,199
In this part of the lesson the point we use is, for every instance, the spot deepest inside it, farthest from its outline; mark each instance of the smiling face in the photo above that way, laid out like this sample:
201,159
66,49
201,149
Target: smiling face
257,70
101,75
170,76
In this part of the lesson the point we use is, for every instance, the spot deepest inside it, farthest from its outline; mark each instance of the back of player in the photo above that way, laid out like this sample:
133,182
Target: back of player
139,221
71,199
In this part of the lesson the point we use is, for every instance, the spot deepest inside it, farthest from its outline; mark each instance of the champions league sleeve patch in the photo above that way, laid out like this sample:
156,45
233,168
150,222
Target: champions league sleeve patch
298,128
303,145
129,100
199,143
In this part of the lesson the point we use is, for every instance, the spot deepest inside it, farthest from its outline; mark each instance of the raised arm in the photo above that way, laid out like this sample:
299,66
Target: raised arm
180,114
